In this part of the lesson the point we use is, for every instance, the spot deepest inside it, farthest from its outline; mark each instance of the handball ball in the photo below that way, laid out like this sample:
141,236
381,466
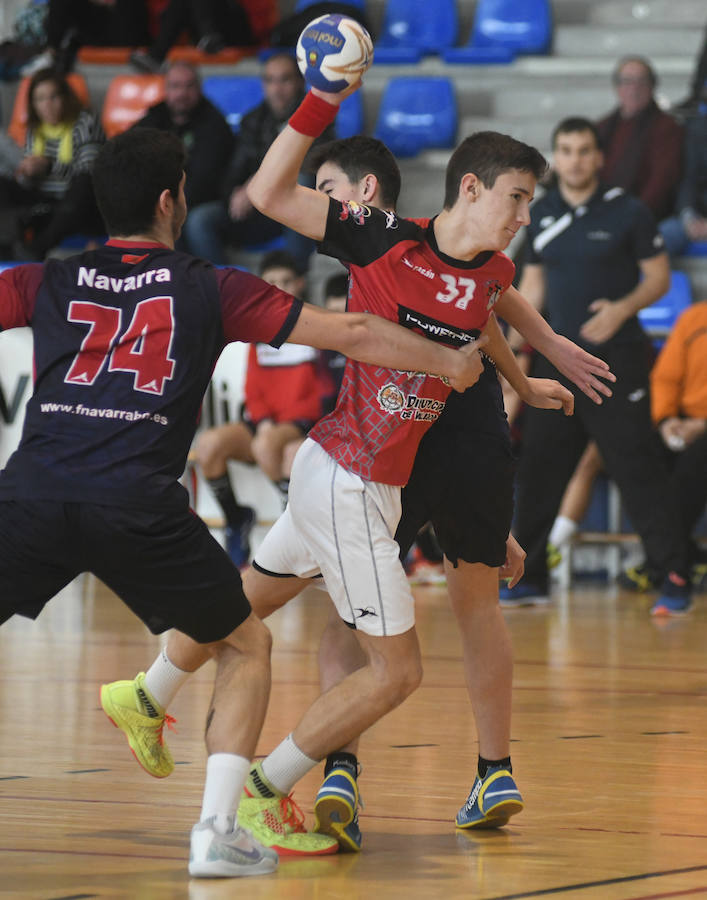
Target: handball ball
333,52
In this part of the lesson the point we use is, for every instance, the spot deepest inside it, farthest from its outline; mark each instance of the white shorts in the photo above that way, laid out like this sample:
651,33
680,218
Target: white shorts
342,526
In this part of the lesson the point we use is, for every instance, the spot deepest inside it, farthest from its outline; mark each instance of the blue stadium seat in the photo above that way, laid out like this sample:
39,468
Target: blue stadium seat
303,4
412,28
234,95
417,113
659,318
349,119
504,28
695,248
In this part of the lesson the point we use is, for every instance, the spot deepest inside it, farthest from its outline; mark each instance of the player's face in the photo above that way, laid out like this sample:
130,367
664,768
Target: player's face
281,84
501,210
334,182
577,160
47,103
285,279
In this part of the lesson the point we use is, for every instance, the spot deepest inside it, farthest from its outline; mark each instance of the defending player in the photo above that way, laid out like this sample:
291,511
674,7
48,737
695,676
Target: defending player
125,339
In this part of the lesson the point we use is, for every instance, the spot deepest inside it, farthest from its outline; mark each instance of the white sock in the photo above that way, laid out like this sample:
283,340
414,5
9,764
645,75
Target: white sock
163,679
284,767
225,778
562,530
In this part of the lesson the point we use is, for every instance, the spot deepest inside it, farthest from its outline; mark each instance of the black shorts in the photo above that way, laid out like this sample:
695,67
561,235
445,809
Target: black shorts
165,566
462,482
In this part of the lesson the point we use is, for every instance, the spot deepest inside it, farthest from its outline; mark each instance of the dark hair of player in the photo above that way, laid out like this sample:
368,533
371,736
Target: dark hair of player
488,154
279,259
129,174
358,156
573,124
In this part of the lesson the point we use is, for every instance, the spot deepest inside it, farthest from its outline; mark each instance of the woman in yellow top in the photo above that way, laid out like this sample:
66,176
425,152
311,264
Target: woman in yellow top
51,194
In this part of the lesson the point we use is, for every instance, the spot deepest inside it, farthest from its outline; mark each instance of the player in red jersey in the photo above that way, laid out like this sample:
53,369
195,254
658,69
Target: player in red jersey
581,367
125,339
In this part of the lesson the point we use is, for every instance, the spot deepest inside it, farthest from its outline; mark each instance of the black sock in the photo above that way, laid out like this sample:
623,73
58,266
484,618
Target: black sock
486,764
223,492
341,760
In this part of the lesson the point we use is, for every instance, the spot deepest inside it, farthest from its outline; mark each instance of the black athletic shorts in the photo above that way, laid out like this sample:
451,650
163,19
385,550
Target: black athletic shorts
165,566
462,482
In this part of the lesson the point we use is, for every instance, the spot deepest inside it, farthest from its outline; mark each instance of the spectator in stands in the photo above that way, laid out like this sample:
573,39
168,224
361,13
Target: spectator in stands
212,25
679,410
595,259
282,402
642,144
690,223
104,23
233,222
51,192
206,135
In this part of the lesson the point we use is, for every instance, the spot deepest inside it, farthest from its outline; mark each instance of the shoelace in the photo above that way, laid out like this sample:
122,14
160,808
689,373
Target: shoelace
291,814
170,722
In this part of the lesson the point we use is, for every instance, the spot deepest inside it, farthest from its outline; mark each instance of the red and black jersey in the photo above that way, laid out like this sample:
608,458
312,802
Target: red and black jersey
397,272
282,384
125,341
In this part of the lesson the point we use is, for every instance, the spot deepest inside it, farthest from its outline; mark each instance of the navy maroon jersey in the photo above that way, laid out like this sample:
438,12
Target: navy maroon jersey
125,341
396,271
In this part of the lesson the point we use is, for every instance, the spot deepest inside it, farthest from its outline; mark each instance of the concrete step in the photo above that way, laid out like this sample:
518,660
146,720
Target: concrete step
619,40
648,12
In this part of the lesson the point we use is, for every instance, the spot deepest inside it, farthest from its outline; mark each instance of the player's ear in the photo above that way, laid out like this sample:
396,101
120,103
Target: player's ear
370,186
469,187
165,203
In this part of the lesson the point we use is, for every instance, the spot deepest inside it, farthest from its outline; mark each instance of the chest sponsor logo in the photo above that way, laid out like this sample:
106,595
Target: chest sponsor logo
599,235
435,328
355,211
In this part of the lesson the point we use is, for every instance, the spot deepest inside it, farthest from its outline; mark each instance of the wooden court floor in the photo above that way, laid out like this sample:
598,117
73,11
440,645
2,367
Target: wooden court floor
610,719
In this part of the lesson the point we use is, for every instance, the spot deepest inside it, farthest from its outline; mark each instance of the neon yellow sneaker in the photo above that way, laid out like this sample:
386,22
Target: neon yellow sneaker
130,708
278,823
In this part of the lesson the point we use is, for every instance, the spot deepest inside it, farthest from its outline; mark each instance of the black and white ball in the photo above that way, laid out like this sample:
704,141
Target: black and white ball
333,52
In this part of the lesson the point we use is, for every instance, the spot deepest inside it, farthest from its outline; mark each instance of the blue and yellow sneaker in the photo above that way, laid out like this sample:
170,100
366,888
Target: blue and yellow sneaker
336,810
492,801
675,597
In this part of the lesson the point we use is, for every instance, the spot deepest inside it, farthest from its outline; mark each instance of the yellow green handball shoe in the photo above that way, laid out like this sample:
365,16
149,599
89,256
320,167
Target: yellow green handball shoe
130,708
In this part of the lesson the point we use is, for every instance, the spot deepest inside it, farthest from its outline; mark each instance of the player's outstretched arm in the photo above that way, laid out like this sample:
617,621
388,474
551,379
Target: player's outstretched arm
274,189
371,339
545,393
580,367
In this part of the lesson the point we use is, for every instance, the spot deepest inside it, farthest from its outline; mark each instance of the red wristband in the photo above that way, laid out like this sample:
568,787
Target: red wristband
313,115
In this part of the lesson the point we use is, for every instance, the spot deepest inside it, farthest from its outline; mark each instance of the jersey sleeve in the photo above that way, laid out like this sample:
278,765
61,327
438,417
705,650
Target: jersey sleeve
18,293
254,311
359,234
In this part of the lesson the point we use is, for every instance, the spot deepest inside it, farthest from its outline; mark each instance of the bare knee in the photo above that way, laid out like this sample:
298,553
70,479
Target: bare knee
209,451
252,639
397,678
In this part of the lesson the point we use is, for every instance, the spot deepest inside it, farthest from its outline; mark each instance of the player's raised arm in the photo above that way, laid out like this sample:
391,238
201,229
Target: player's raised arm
274,189
372,339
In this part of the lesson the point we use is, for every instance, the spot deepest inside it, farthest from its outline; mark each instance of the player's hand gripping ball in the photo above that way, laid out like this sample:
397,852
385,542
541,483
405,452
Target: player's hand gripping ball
333,52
